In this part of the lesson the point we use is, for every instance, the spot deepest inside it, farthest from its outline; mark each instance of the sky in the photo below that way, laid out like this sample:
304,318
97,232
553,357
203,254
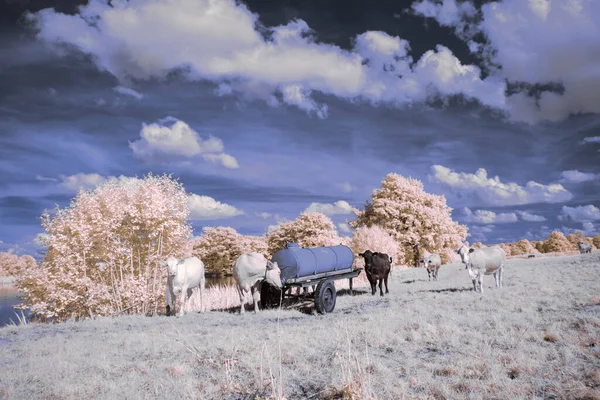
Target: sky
266,109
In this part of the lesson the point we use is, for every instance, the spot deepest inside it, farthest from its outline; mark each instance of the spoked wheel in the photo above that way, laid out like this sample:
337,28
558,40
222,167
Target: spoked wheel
270,296
325,296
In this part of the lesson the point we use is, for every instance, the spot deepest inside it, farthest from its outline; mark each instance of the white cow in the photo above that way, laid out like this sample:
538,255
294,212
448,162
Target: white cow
184,275
432,262
249,271
483,261
584,247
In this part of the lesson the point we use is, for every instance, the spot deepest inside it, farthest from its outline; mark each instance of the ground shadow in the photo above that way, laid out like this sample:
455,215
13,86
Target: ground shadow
451,290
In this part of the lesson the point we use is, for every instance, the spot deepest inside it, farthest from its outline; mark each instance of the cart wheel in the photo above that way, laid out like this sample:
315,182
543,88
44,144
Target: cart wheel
269,296
325,296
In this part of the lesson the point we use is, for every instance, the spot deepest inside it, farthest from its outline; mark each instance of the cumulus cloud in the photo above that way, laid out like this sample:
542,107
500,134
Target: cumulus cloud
575,176
81,181
493,192
207,208
478,232
41,239
220,41
589,229
344,227
488,217
526,216
540,234
280,220
535,42
339,207
128,92
587,213
179,141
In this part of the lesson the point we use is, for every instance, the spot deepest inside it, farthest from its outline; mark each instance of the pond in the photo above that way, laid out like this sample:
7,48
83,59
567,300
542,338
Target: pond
8,297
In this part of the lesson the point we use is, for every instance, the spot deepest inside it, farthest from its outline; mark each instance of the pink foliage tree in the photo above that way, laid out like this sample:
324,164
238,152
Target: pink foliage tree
104,250
557,242
308,230
219,247
14,265
596,241
574,238
374,238
523,246
414,218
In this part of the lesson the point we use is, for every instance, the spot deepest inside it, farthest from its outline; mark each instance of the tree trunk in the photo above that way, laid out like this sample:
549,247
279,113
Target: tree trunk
416,254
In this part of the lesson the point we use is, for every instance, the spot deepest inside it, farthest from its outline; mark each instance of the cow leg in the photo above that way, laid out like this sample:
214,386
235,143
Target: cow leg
373,287
429,275
500,276
241,293
170,298
474,284
381,286
255,296
182,299
481,283
202,287
386,286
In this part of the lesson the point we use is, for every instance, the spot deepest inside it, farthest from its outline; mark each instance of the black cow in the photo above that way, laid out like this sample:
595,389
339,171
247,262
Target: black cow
377,267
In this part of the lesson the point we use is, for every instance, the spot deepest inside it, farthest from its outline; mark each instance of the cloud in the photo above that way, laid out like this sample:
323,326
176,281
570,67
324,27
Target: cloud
525,216
264,215
41,239
535,43
540,234
207,208
179,141
128,92
222,41
346,187
587,213
279,220
589,229
344,227
493,192
488,217
339,207
82,181
574,176
592,139
478,232
44,178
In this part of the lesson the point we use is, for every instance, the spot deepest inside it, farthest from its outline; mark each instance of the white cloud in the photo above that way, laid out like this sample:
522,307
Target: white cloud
207,208
580,213
264,215
589,229
179,141
144,40
128,92
448,13
540,234
575,176
344,227
45,178
82,181
488,217
339,207
346,187
525,216
536,42
478,233
493,192
41,239
591,139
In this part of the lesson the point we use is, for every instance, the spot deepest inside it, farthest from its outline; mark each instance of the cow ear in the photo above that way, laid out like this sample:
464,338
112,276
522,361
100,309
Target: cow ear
471,250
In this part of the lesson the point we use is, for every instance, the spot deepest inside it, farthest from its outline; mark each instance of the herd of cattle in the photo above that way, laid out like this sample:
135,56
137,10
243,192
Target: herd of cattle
250,270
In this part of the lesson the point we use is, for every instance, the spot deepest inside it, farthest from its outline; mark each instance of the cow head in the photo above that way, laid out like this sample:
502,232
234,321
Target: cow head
463,252
273,274
171,265
423,263
368,257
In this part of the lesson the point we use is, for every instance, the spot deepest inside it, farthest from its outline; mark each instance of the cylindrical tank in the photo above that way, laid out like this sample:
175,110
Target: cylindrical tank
297,262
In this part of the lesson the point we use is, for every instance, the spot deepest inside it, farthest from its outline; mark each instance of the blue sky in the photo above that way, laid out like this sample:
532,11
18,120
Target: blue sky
266,109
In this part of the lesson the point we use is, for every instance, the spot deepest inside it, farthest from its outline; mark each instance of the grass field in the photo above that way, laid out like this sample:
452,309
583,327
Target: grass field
536,338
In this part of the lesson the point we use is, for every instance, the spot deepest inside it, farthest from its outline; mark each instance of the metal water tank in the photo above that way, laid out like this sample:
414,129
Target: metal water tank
297,262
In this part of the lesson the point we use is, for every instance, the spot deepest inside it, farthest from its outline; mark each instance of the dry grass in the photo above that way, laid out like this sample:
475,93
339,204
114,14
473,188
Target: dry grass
537,338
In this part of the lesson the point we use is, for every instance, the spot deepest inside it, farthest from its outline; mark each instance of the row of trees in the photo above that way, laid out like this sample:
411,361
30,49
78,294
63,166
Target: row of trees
103,250
555,242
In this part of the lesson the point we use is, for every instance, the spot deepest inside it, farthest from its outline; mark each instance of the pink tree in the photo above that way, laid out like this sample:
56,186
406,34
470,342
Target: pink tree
556,242
596,241
375,238
104,250
308,230
414,218
523,246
